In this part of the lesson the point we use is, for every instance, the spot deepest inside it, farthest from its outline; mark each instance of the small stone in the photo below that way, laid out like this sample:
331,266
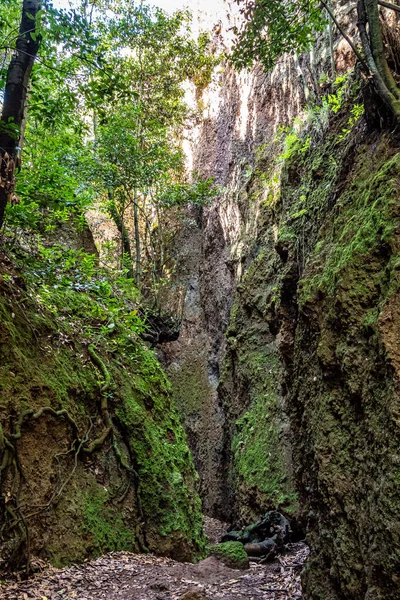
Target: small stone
267,548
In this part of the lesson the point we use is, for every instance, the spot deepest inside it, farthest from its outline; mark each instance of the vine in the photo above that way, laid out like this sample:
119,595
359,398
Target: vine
14,518
98,361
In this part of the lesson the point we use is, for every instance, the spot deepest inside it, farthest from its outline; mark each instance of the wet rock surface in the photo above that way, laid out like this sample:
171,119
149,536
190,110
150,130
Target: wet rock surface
121,575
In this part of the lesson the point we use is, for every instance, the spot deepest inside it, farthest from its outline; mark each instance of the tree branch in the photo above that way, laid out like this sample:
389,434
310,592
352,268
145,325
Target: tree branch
380,84
344,34
389,5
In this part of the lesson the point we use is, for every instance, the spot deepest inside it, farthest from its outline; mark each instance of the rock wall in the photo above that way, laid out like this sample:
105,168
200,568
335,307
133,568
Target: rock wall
312,356
295,294
239,113
69,489
234,134
342,384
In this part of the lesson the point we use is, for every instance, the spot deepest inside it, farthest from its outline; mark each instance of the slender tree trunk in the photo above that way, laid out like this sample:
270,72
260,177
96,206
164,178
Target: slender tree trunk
119,222
160,241
149,247
389,5
376,43
372,46
314,80
343,33
12,116
137,238
331,48
300,75
151,257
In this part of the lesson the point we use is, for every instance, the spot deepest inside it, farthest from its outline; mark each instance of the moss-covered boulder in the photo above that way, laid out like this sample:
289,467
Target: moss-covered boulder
89,463
232,554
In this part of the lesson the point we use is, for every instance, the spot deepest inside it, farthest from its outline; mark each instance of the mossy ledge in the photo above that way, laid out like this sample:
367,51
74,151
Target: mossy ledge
135,491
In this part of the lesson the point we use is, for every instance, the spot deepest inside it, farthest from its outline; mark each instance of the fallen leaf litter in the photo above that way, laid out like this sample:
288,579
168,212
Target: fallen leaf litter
125,576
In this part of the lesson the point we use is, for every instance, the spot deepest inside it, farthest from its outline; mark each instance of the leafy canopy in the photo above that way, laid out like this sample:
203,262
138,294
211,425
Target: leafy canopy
106,113
273,27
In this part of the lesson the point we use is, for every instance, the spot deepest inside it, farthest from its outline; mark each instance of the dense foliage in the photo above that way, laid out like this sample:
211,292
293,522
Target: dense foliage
270,28
94,99
104,124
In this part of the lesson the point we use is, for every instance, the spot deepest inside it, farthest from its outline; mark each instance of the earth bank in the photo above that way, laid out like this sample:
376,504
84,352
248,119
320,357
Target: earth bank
94,457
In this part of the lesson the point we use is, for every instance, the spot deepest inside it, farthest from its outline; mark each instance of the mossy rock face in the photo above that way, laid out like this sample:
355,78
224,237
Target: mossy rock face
232,554
313,348
342,380
95,504
195,399
344,392
259,469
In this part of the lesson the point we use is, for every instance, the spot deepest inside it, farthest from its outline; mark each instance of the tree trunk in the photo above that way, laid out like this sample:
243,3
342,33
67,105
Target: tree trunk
376,43
119,222
331,49
300,75
373,49
374,61
160,241
12,116
137,238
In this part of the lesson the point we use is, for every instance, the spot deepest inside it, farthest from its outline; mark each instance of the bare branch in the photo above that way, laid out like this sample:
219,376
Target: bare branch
389,5
344,34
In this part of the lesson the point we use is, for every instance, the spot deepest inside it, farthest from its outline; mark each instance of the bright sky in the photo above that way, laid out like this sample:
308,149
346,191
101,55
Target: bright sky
206,13
167,5
208,6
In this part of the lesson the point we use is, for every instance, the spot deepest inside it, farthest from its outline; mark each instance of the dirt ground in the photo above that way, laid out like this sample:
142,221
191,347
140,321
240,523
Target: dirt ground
125,576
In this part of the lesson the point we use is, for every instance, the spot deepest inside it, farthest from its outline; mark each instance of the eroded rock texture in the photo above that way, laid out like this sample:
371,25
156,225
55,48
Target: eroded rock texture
135,490
343,384
294,326
311,353
240,114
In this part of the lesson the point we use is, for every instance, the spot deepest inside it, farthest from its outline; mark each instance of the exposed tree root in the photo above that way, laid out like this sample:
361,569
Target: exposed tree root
14,518
97,360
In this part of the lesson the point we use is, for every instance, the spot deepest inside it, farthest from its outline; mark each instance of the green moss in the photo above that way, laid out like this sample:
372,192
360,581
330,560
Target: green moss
167,479
31,368
344,392
251,380
190,383
104,524
256,442
232,554
366,223
40,369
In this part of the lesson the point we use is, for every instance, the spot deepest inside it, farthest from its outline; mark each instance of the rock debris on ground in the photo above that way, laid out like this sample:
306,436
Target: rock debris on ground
214,529
126,576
